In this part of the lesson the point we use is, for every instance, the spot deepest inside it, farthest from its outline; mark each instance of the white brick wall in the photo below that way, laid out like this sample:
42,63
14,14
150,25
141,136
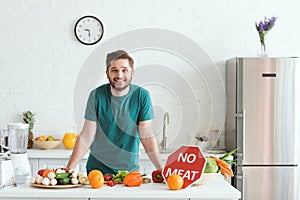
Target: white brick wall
40,58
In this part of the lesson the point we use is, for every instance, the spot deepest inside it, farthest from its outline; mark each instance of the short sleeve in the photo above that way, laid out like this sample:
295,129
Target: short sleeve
146,112
90,111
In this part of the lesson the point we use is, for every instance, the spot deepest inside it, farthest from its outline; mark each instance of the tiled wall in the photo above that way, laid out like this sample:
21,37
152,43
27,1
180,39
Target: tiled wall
40,58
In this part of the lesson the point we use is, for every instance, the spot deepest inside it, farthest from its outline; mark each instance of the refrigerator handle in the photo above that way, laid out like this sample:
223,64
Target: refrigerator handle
244,134
241,177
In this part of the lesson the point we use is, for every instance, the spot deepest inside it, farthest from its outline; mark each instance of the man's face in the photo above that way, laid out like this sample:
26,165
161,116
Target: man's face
119,74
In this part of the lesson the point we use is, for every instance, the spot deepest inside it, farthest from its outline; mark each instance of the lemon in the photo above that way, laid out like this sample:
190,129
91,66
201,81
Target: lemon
69,140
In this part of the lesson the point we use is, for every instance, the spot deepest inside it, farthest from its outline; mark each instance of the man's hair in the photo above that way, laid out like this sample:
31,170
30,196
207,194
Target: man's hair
120,54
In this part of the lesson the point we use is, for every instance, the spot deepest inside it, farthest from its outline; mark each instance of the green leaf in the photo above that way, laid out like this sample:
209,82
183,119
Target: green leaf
29,118
224,157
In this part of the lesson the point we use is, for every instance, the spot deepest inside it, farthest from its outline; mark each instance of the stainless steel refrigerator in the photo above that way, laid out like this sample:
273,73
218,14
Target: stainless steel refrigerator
262,120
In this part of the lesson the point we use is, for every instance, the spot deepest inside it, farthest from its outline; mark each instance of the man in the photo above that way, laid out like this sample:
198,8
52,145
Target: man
118,117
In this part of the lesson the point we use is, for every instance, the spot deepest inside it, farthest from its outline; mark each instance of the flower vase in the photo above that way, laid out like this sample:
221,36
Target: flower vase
263,51
263,48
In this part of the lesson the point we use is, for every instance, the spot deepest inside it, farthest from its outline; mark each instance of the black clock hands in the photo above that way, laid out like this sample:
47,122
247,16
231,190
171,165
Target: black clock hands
89,32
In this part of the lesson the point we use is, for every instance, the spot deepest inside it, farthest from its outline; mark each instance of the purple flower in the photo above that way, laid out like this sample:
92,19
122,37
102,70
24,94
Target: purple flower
263,27
266,24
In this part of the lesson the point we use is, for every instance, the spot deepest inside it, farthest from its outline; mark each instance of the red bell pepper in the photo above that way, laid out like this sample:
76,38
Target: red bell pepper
157,176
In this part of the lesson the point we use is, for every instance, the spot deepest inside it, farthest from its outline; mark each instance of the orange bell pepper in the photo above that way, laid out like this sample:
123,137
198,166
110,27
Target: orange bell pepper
133,179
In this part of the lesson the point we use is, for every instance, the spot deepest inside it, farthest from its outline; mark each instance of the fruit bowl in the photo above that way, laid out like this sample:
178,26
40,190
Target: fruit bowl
47,144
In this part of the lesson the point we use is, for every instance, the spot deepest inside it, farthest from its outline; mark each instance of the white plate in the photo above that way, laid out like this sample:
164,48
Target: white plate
55,186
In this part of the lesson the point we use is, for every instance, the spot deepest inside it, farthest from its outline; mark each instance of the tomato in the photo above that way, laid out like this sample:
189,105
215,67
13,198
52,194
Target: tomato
107,177
111,183
41,172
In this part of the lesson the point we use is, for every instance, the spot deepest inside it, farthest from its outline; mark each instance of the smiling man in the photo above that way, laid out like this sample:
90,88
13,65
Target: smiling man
118,117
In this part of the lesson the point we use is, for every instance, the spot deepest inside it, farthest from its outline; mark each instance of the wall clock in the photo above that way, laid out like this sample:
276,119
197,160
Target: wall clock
88,30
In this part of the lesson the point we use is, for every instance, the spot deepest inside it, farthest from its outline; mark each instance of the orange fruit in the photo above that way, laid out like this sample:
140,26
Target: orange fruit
69,140
175,182
96,178
41,138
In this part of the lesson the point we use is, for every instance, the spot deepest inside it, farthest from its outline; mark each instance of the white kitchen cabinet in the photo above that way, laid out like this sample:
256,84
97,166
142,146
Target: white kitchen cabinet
34,165
52,159
146,166
39,159
51,163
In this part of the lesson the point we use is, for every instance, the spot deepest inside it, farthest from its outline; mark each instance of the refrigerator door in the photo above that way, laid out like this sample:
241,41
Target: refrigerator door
267,183
266,110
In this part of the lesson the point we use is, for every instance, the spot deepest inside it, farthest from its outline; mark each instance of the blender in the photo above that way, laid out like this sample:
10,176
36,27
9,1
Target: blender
17,143
7,178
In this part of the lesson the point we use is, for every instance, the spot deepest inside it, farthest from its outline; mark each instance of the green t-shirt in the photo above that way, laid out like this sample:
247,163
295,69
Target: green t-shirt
116,143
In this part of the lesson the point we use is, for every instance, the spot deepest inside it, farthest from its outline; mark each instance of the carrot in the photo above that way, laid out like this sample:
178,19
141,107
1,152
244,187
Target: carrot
227,170
224,173
219,161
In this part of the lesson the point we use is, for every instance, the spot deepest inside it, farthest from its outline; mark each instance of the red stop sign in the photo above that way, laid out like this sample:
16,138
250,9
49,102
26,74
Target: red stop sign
188,162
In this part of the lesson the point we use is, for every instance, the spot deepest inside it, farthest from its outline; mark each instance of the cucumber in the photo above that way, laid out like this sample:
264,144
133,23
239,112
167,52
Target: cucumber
64,181
62,175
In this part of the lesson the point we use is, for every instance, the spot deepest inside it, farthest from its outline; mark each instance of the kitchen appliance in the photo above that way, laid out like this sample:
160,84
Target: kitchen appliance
3,140
17,143
7,178
214,147
262,120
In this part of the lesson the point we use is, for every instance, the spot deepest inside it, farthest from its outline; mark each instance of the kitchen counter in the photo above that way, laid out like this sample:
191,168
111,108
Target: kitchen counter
216,188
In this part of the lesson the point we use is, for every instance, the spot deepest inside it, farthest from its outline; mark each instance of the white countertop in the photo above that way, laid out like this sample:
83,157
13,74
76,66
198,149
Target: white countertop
216,188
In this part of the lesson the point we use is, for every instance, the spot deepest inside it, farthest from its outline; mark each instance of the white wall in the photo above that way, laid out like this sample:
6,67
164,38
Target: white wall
40,58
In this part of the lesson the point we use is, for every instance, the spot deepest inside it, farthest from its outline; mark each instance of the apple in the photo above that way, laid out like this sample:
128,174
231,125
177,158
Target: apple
50,138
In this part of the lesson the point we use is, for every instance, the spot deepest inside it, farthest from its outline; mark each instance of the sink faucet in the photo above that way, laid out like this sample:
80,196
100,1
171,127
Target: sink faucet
163,143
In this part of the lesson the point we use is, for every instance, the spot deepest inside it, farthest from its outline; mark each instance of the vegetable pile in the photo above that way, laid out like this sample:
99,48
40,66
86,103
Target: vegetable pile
223,167
59,176
221,164
133,178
